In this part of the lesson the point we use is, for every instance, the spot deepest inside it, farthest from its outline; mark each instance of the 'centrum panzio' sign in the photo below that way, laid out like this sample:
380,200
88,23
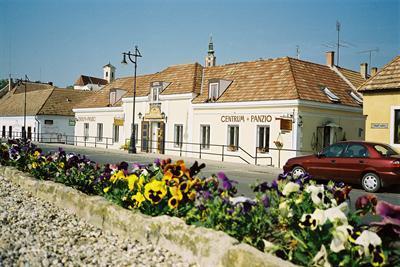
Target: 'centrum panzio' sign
246,118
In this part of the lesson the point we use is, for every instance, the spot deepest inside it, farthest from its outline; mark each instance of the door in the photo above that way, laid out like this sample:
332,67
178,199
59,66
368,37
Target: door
325,166
145,136
155,126
161,138
353,161
29,132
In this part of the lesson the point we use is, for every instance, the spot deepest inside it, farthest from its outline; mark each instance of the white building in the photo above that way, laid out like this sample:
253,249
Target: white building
89,83
49,115
262,112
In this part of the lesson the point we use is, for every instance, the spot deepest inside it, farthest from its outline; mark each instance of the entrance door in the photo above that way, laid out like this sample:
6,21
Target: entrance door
161,138
145,136
155,127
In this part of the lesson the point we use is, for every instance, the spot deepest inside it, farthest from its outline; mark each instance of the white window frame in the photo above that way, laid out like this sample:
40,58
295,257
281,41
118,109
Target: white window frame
100,131
266,146
213,92
116,133
205,139
178,135
391,126
235,145
86,131
331,95
155,94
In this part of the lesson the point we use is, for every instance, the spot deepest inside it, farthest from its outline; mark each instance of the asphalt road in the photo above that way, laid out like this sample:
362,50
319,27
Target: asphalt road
244,174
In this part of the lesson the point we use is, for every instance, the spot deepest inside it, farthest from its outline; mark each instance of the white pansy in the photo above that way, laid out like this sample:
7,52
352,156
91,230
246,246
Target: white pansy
241,199
321,258
336,215
317,193
340,237
269,247
284,209
319,216
145,172
290,188
368,238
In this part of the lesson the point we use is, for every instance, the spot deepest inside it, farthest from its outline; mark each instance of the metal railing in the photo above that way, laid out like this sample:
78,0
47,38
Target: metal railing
261,156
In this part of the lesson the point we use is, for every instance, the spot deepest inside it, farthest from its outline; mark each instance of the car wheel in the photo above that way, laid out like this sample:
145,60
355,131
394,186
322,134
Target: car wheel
298,171
371,182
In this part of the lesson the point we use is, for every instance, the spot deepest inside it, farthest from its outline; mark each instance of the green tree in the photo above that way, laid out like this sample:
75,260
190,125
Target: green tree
3,83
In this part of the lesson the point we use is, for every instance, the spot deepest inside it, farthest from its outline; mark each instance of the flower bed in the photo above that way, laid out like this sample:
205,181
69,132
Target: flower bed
295,219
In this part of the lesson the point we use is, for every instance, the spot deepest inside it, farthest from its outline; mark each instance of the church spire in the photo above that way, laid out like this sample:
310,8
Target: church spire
210,58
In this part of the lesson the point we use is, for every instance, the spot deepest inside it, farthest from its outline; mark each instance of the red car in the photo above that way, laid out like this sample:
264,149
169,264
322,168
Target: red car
373,165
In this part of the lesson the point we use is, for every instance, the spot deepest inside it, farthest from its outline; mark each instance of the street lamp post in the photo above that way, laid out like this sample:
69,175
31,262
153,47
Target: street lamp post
135,55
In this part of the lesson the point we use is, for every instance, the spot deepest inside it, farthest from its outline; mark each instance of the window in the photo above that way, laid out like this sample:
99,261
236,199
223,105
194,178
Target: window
10,131
155,91
233,137
86,131
262,139
178,135
213,93
29,132
49,122
205,136
136,132
356,97
3,132
106,74
356,151
396,133
334,151
385,150
99,132
331,95
116,133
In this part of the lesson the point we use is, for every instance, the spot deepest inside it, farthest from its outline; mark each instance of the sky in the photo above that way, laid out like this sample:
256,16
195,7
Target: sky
57,41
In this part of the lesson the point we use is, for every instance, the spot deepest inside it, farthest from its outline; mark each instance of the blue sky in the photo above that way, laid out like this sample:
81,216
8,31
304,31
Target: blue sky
60,40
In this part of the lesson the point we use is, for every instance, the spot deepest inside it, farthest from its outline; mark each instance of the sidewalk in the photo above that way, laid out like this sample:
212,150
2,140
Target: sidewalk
153,156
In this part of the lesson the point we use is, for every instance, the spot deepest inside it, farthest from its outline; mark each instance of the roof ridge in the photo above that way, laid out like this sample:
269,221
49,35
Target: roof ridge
294,78
373,77
47,99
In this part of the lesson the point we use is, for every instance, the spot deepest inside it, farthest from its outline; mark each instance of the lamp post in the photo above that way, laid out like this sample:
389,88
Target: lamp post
135,55
20,81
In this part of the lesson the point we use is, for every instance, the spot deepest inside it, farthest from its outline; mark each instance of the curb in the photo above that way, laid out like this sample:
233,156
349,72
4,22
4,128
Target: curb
197,245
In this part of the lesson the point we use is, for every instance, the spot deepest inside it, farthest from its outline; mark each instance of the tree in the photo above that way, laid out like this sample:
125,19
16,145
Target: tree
3,83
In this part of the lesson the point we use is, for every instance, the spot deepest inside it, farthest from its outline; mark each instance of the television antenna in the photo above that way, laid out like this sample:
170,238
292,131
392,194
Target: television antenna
369,51
339,43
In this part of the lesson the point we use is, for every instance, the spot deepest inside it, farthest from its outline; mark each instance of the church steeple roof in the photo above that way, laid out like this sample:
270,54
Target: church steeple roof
211,46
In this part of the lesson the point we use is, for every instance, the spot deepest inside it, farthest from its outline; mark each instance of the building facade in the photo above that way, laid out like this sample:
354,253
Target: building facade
259,112
381,95
48,113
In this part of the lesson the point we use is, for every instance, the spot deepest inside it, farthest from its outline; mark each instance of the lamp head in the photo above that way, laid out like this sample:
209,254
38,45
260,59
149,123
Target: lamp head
124,59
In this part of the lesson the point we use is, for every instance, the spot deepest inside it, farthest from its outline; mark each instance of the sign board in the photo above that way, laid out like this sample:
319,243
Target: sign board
246,118
379,125
71,122
86,118
118,122
286,125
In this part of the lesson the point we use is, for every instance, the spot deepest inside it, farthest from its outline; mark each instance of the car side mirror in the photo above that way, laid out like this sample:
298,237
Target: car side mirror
320,155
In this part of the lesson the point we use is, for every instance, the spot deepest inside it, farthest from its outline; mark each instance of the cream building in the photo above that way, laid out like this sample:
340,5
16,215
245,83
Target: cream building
382,105
259,112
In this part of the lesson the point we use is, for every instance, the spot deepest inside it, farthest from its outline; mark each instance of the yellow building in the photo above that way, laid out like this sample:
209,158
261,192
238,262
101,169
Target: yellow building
382,105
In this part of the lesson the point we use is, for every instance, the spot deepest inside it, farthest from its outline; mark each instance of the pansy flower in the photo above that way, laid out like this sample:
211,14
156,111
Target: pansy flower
371,245
138,198
155,191
340,237
321,258
290,188
173,203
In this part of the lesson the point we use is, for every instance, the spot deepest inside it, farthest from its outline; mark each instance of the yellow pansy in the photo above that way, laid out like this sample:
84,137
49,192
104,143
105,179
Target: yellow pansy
117,176
61,164
132,179
36,154
175,192
138,199
192,195
173,203
106,189
34,165
155,191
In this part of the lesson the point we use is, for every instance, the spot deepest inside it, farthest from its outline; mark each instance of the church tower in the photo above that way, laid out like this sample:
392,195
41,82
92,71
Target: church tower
210,58
109,72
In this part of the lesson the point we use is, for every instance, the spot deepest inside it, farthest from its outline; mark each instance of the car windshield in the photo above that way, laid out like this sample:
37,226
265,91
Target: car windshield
385,150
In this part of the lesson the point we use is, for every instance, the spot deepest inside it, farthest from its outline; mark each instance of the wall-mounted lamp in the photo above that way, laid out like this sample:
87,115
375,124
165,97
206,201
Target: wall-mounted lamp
164,116
140,115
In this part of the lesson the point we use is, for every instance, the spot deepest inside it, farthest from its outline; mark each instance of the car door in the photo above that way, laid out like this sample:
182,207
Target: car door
352,162
324,166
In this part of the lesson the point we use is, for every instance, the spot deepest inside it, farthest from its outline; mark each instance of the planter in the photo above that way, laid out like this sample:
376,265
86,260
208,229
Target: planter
198,245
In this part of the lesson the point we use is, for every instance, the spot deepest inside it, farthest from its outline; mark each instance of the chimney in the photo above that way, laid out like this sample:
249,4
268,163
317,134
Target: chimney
330,58
364,70
374,70
9,83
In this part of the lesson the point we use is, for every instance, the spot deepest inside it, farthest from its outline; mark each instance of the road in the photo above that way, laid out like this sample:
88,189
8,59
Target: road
244,174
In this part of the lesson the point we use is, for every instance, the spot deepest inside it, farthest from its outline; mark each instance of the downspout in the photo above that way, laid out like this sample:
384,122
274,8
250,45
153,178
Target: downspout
37,128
